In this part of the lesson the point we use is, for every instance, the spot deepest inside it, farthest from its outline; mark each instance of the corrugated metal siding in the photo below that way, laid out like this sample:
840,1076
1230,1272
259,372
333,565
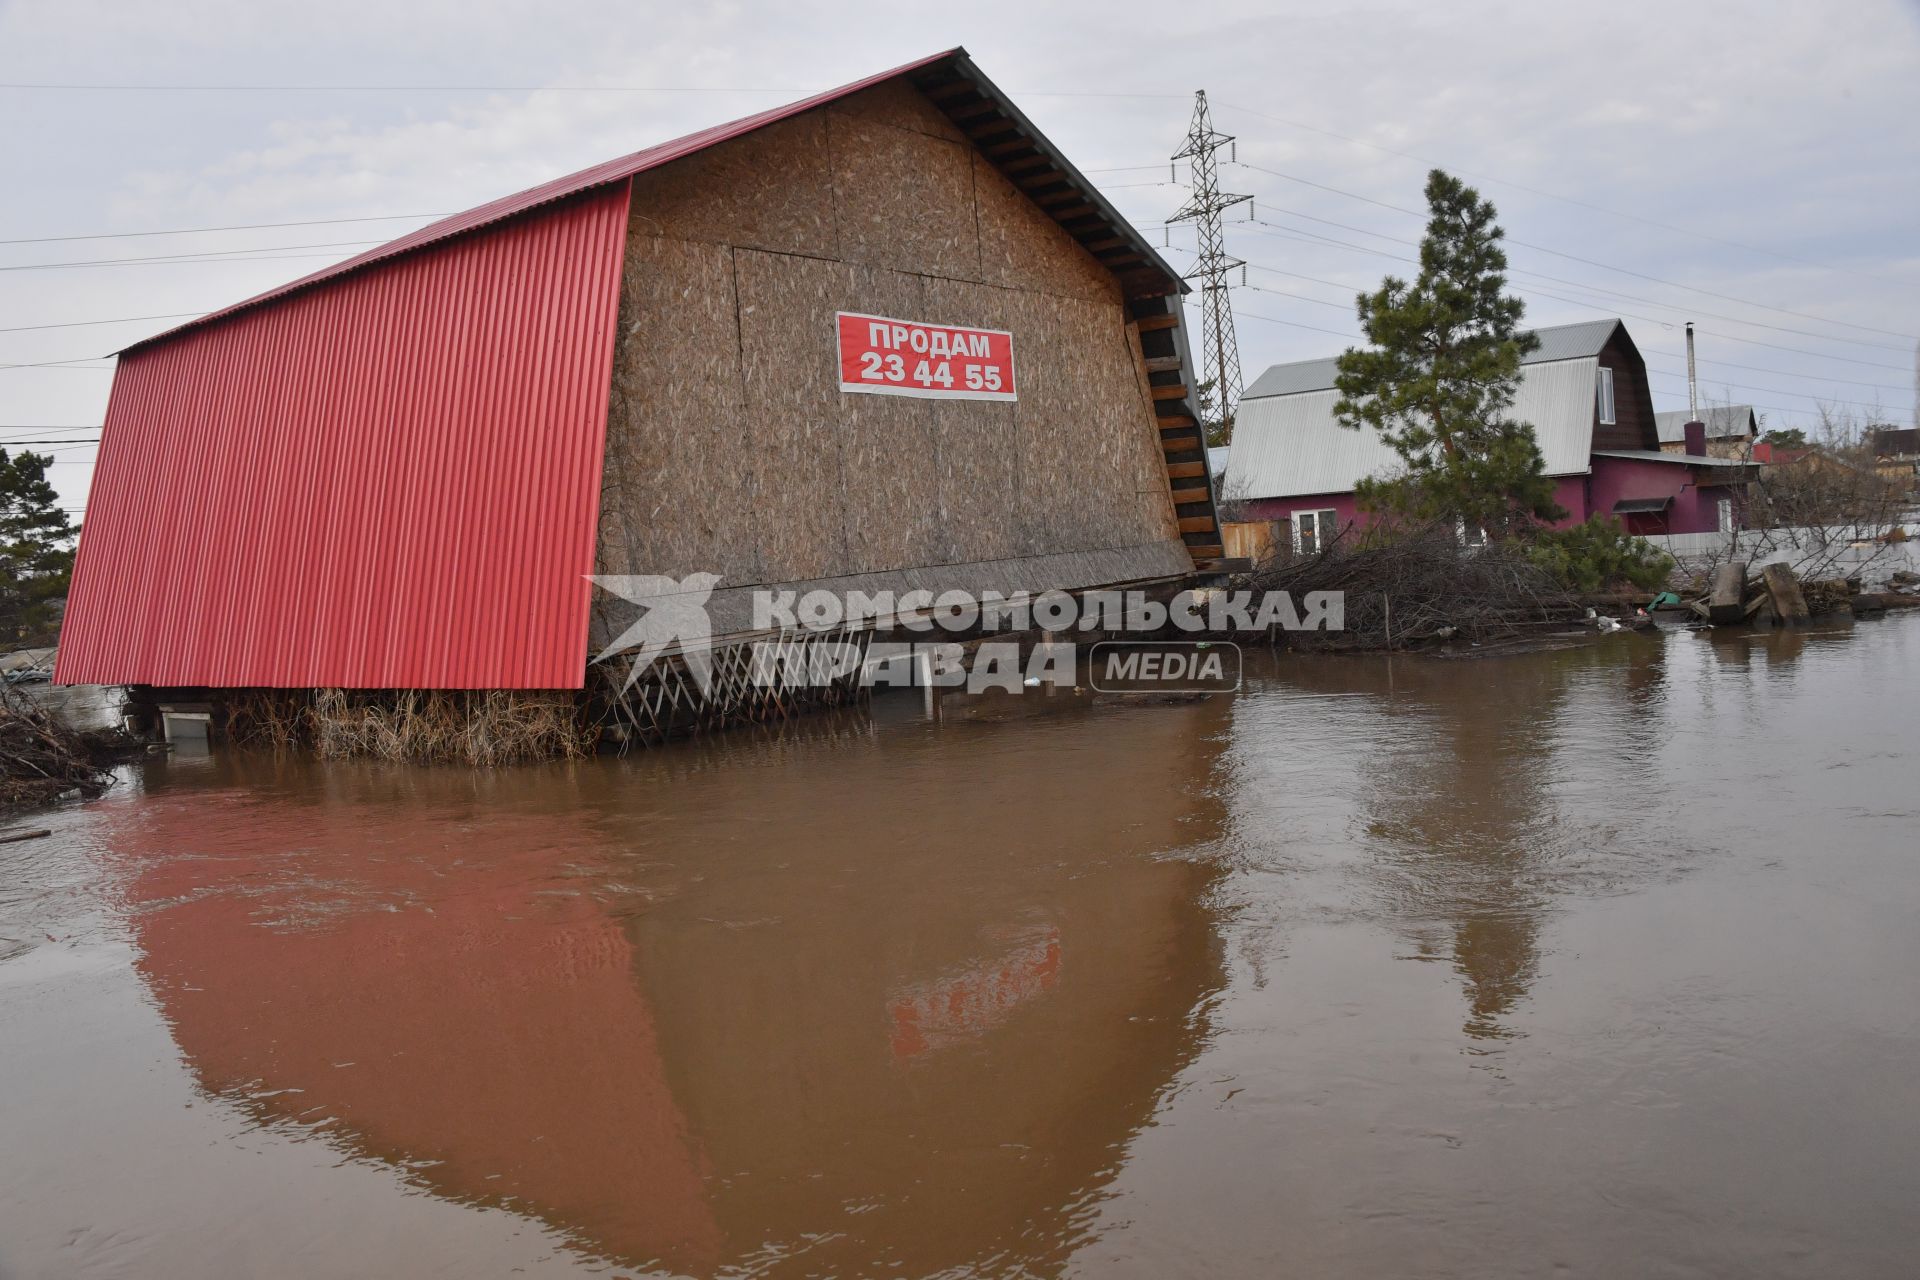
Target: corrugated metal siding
1291,379
1285,446
1572,341
1721,420
1557,342
389,481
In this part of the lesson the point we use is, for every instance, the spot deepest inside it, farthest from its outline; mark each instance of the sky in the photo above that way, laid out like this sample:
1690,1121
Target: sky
1753,168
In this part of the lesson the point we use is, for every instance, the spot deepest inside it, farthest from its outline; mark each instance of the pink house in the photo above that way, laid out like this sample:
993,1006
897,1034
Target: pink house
1584,391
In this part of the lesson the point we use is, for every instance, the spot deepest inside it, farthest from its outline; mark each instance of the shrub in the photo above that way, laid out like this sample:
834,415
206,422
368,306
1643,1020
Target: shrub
1599,554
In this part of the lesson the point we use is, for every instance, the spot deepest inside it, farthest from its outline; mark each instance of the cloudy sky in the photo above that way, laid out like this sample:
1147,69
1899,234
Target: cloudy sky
1755,168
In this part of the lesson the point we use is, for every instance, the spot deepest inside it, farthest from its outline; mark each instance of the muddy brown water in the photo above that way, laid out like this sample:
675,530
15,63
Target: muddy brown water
1600,962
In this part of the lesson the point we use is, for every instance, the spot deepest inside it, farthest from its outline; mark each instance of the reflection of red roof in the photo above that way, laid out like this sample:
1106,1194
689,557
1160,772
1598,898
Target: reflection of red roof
493,1041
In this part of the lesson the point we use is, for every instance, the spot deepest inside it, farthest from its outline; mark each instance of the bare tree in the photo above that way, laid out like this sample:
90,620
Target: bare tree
1827,505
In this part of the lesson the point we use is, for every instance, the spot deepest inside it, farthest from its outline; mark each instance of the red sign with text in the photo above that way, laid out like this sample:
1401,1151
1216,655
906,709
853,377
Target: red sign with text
883,356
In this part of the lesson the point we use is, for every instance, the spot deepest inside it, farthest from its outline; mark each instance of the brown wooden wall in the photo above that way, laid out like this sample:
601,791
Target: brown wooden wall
730,447
1634,427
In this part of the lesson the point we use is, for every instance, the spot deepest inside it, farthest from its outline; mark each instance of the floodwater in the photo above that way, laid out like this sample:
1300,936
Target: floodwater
1601,962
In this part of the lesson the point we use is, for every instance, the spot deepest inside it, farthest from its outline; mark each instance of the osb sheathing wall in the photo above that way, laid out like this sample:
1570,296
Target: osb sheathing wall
731,448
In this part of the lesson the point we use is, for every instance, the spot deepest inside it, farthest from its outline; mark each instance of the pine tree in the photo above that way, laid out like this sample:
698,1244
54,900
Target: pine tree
36,551
1439,379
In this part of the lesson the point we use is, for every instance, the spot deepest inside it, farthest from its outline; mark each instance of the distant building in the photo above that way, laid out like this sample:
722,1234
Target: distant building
1585,393
1731,430
1896,455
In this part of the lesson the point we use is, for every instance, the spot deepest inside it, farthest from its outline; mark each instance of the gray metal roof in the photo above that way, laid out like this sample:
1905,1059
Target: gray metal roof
1291,445
1723,421
1572,341
1557,342
1217,459
1681,459
1290,379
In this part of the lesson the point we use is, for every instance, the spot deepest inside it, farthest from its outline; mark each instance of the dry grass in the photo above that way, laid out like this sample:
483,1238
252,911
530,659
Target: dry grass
1421,587
480,728
42,759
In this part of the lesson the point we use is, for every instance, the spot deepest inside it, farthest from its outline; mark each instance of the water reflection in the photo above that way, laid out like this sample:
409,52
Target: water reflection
1463,767
843,999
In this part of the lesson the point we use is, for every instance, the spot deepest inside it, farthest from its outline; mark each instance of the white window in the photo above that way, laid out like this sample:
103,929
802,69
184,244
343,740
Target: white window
1313,531
1724,509
1606,397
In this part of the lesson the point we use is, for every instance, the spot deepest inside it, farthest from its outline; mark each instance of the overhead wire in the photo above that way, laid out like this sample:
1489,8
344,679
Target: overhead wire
202,255
1549,195
236,226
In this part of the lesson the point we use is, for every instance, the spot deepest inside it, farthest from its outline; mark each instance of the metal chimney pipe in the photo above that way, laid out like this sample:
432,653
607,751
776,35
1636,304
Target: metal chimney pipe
1693,382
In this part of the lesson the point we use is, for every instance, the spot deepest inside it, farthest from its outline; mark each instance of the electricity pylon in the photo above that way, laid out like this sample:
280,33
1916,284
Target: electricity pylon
1220,350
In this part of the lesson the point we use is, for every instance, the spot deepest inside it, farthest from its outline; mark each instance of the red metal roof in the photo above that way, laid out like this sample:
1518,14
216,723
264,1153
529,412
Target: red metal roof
391,481
560,188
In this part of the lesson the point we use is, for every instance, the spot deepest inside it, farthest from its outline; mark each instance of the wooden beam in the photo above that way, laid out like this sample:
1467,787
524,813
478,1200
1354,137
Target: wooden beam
1182,445
1041,181
1097,246
1057,197
974,110
1185,470
1177,391
1725,605
1198,524
952,89
1183,496
1008,148
1175,420
1789,604
991,129
1163,364
1200,553
1077,211
1031,162
1149,323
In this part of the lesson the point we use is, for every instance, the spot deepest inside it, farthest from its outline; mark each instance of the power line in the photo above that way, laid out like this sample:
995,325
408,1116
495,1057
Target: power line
1301,297
1597,208
1316,237
1681,378
238,226
1295,324
1817,399
1816,377
1605,266
82,324
103,87
200,255
391,88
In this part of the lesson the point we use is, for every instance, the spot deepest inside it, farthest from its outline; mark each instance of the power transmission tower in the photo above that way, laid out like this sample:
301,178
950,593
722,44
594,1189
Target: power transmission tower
1220,350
